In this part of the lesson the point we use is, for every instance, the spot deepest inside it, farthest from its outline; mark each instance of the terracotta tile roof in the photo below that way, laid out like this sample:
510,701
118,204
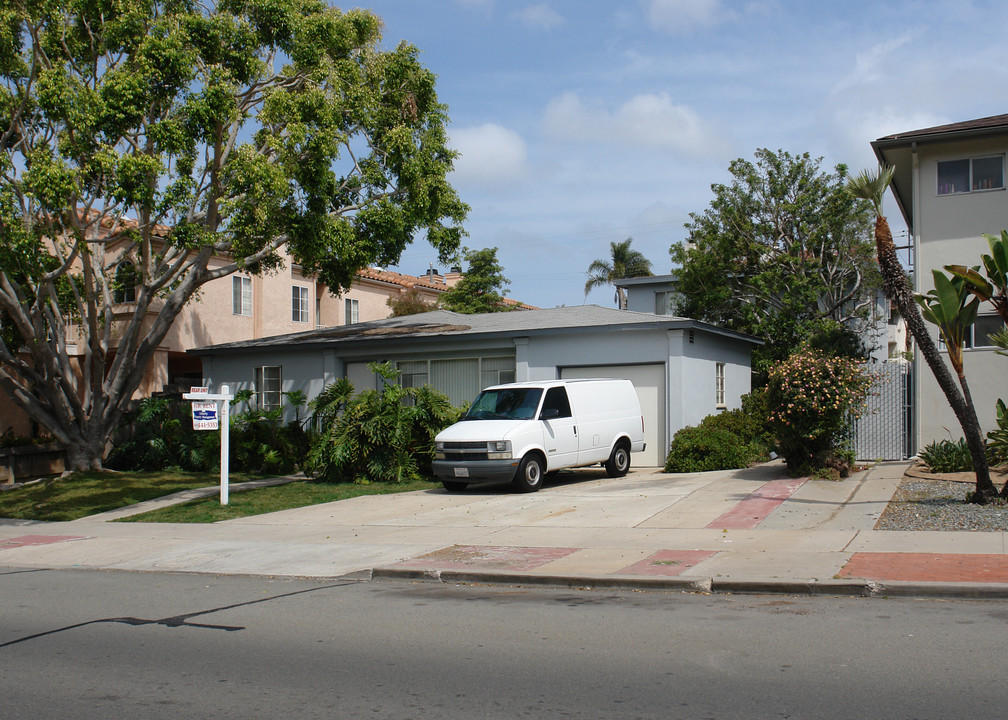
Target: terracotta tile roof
406,281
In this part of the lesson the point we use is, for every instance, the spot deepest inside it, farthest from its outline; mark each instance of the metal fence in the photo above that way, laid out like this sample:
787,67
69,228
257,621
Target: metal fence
885,430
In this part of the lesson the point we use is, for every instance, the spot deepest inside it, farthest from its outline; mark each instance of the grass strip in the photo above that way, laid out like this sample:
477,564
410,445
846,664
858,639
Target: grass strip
271,499
82,494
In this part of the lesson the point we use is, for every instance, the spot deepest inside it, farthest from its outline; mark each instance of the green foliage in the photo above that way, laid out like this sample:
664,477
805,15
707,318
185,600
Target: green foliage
180,132
159,434
994,287
724,441
157,438
997,439
948,307
261,443
779,249
479,290
700,448
947,456
384,435
622,263
810,397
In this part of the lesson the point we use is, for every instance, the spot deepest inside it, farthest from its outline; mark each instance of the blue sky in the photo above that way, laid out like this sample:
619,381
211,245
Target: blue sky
583,122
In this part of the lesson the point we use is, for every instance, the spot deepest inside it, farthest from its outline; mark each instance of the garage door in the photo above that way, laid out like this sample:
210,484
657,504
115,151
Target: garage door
649,382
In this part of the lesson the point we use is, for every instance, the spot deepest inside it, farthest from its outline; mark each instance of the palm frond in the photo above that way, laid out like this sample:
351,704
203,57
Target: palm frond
871,186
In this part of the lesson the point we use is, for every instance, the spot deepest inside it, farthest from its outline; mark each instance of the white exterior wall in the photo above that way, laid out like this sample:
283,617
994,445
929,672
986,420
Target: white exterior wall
949,230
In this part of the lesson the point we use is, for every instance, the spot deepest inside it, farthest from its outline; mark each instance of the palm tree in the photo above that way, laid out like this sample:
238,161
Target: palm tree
872,186
624,263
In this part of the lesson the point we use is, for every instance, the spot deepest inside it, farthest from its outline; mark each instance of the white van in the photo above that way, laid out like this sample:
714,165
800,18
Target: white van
520,431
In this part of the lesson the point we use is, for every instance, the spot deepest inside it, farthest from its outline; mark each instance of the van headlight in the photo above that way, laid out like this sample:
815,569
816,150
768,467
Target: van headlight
439,450
499,450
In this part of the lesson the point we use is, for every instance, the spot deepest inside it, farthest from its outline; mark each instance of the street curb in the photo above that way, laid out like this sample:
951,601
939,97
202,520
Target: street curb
843,588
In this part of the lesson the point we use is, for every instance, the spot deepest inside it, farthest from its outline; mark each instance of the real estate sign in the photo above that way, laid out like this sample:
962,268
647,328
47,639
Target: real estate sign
204,415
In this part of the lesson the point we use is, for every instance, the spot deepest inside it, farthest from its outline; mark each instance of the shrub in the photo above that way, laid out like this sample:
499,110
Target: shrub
997,440
700,448
725,441
155,437
377,435
810,397
947,456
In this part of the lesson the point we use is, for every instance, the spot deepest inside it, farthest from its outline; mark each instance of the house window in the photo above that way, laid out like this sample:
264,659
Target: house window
663,303
267,386
352,312
971,174
241,295
318,312
984,326
299,303
719,397
977,335
496,371
124,285
413,374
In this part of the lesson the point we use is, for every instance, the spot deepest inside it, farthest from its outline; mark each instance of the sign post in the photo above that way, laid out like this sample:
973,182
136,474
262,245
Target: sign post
204,410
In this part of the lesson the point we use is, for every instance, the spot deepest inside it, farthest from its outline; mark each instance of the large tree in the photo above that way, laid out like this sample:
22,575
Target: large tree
623,262
781,252
872,186
479,290
165,134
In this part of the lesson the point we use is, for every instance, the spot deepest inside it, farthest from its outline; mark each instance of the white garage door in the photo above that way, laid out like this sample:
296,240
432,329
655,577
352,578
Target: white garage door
649,382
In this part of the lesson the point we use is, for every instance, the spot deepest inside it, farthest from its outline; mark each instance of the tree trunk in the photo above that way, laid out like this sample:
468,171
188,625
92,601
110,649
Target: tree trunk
894,282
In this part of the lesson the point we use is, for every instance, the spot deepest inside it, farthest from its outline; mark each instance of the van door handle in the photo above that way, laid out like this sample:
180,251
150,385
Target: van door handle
575,429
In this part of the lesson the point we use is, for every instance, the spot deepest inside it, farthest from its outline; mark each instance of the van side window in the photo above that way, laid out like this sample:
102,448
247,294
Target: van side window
556,399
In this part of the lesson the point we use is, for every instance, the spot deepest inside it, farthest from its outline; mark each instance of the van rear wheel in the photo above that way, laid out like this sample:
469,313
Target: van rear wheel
618,463
530,474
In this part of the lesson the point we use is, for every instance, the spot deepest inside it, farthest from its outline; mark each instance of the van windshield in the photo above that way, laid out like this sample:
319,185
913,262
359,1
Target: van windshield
505,404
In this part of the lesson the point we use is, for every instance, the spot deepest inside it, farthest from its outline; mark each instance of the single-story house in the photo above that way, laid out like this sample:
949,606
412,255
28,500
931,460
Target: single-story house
683,370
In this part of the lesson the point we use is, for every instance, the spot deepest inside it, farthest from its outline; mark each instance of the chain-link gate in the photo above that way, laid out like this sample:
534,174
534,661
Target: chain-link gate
885,430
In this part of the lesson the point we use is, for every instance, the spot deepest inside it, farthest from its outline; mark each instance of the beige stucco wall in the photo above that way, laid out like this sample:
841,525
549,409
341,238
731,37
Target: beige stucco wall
949,230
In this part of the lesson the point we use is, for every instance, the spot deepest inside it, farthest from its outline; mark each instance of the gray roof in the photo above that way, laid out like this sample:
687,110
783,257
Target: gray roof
443,323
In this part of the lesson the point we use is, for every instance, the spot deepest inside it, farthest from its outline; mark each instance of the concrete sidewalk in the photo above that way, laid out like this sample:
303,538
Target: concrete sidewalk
751,530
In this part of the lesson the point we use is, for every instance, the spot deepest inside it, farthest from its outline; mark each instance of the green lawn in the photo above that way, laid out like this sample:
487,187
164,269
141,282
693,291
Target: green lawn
83,494
270,499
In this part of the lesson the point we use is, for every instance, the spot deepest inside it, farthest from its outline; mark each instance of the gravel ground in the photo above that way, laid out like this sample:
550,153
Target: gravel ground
937,504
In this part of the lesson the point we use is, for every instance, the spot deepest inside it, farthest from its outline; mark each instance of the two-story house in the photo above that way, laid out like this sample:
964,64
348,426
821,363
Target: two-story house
244,307
949,185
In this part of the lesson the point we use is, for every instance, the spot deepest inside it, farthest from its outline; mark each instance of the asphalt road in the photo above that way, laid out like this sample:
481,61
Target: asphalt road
89,644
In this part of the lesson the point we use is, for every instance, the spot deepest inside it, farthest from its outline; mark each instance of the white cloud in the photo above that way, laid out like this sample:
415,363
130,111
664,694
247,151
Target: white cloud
539,17
491,155
679,15
648,120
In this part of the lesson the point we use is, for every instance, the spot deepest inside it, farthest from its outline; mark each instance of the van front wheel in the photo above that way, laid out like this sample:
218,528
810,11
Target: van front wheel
618,463
530,474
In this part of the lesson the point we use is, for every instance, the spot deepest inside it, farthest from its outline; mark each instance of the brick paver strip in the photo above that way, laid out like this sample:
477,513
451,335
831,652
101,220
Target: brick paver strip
667,563
927,567
755,508
23,540
498,557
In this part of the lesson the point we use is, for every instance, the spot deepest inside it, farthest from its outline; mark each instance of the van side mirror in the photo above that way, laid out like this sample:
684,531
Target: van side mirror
549,414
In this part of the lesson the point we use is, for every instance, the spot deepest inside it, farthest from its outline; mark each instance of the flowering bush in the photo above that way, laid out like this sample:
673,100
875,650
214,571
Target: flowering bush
810,397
